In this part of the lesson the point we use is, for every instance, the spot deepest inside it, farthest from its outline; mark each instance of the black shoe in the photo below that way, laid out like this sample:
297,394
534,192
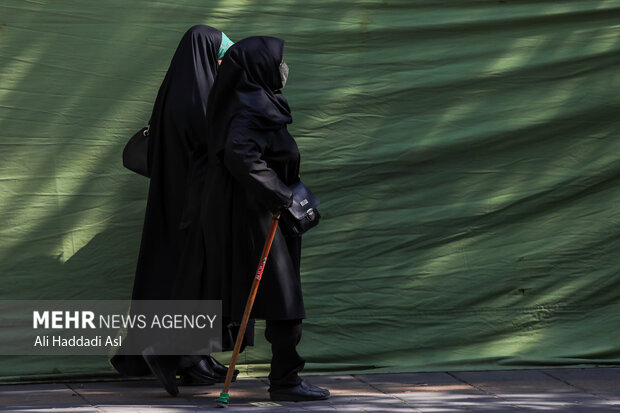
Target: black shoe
164,374
220,369
197,372
304,391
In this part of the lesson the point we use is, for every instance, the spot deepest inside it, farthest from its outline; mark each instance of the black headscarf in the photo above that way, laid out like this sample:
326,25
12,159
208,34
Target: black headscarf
248,89
183,95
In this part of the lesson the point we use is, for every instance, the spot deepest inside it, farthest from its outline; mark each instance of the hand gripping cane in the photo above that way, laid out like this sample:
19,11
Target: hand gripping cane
222,401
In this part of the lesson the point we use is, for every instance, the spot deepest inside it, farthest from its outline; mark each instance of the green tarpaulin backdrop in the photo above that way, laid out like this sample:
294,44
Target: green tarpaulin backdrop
466,154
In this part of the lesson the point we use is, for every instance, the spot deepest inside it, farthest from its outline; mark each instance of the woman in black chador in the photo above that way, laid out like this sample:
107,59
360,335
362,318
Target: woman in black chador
252,161
177,123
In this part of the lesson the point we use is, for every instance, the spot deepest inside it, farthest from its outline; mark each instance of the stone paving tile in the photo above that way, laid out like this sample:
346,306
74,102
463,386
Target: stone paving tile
368,403
49,409
486,408
517,381
601,380
148,409
149,396
553,391
139,392
320,406
549,399
513,402
453,401
280,408
44,397
429,392
532,390
417,382
132,396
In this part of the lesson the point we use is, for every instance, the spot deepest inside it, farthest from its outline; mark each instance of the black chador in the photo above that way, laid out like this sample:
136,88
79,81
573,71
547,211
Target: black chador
252,161
177,124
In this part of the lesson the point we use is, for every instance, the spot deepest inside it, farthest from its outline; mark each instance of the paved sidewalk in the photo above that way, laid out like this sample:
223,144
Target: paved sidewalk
556,390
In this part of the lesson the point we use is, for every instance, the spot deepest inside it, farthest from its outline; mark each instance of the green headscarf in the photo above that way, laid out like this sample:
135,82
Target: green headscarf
226,43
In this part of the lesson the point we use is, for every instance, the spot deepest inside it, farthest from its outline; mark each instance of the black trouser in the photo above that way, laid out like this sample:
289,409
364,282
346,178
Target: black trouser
284,335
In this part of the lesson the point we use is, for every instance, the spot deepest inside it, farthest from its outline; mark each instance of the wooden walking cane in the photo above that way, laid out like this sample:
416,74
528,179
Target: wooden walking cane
222,401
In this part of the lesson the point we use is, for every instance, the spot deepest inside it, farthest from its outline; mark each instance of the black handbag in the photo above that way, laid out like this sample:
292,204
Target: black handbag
303,214
136,153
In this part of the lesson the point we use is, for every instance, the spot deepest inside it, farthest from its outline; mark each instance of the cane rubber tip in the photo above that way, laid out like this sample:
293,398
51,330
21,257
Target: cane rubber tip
222,401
